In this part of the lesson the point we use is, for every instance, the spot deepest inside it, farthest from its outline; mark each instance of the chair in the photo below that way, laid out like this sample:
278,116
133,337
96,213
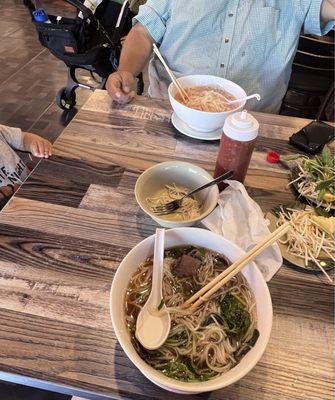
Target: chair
312,77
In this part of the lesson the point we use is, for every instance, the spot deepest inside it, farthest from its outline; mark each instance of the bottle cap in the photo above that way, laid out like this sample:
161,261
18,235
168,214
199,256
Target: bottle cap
273,157
40,15
241,126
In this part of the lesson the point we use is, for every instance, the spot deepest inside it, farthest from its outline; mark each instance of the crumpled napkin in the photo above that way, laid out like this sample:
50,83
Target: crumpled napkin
239,219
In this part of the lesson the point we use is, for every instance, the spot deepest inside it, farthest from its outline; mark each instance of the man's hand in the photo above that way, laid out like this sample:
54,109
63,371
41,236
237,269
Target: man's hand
135,55
36,145
328,11
120,86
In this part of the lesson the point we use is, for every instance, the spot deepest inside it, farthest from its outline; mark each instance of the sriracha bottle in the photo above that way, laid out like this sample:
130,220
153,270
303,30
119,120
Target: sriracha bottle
236,146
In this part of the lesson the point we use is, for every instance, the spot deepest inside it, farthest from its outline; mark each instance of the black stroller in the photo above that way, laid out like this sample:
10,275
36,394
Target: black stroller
91,41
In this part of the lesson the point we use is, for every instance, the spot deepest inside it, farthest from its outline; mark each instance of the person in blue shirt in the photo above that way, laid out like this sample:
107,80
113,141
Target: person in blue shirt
251,42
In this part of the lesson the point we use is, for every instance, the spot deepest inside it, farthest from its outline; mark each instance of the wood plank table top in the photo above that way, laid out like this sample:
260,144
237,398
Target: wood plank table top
65,232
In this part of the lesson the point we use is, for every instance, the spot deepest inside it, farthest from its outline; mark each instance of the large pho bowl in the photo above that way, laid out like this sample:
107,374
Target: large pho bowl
203,121
210,240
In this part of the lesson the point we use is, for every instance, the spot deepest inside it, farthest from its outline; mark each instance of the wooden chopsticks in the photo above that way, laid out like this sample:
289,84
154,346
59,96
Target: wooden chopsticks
182,91
207,291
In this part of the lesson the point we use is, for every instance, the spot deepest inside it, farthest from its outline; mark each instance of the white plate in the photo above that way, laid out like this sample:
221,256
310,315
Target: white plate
183,128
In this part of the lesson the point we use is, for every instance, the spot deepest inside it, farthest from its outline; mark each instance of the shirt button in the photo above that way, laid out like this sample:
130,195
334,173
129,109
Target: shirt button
230,14
226,40
221,65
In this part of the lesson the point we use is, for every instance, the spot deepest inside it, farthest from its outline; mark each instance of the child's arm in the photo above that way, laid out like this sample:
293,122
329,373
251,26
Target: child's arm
12,136
36,145
26,141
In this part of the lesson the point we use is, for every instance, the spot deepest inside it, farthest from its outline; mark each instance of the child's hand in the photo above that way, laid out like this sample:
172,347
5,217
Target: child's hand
37,146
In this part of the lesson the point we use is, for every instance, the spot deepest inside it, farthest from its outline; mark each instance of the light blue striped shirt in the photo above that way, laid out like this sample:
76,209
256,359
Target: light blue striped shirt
251,42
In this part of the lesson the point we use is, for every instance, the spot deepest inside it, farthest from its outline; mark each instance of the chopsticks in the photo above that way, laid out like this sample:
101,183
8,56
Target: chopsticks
207,291
182,91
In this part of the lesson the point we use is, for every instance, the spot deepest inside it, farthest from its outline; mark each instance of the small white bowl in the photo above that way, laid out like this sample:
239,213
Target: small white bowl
203,121
209,240
182,174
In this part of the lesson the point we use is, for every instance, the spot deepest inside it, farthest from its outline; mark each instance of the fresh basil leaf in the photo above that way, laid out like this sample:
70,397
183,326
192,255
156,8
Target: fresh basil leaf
324,184
327,156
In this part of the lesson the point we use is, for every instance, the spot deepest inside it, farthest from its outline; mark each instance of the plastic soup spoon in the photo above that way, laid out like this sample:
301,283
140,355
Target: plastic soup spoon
252,96
153,321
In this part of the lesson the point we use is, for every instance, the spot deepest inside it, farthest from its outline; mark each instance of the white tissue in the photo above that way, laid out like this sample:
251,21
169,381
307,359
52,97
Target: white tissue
239,219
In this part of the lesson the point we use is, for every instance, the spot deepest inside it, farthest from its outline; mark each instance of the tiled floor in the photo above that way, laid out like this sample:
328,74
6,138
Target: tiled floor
30,76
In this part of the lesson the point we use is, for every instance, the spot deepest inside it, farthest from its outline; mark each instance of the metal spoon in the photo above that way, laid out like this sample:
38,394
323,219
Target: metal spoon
153,322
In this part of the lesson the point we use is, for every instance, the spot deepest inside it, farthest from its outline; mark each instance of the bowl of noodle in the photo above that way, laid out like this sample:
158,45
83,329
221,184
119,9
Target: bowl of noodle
209,348
170,181
206,109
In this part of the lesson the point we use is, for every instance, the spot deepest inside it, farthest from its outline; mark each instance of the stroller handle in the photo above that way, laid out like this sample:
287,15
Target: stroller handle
87,13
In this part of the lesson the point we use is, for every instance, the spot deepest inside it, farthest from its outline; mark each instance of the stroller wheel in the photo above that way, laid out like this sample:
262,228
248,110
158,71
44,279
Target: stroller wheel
64,100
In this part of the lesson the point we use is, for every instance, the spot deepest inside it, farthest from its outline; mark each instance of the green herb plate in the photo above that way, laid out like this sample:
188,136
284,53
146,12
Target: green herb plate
309,200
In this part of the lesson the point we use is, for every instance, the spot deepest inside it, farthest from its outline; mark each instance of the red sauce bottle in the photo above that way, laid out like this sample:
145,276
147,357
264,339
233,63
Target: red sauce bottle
236,146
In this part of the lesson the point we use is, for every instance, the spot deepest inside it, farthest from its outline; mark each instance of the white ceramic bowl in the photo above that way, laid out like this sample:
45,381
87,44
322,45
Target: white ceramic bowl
183,174
202,121
210,240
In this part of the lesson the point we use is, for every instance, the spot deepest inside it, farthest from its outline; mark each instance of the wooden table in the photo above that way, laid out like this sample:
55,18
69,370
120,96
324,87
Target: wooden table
67,229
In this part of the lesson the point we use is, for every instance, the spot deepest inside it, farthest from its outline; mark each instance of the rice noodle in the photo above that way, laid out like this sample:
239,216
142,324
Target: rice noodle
189,209
207,98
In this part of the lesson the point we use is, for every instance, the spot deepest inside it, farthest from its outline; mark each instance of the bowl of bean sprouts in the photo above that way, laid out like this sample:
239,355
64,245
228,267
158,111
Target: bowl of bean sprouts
309,244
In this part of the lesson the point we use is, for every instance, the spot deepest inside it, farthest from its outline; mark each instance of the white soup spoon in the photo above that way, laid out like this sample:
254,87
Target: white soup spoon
153,322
